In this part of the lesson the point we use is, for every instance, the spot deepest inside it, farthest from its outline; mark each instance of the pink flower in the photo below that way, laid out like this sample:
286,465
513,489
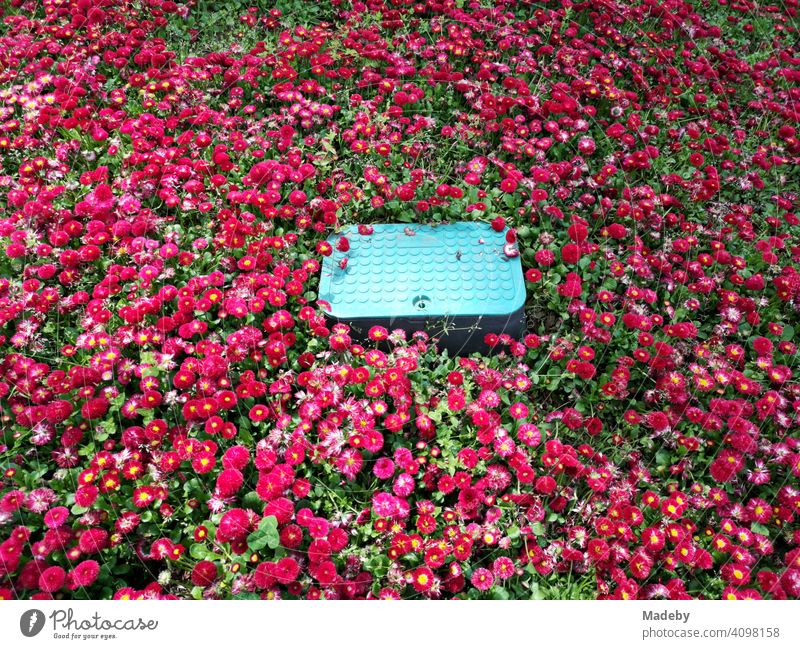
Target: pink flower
229,482
56,517
204,573
318,528
571,253
350,463
482,579
503,568
384,468
518,411
384,505
529,435
403,485
83,575
52,579
93,540
234,524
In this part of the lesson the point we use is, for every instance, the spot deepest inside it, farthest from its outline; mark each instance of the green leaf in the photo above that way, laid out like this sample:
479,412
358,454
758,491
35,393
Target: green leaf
758,528
198,551
498,592
378,564
266,535
536,592
109,427
251,500
246,595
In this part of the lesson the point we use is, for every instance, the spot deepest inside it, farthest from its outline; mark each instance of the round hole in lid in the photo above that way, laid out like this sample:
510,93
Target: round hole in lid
421,302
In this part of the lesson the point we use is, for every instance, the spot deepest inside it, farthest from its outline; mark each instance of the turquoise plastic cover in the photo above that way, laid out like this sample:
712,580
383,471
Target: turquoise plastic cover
455,269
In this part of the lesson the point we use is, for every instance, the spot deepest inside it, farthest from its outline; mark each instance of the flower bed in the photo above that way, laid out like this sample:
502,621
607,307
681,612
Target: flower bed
179,422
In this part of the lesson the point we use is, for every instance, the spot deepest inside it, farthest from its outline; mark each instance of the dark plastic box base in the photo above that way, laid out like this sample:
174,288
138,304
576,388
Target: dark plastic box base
459,335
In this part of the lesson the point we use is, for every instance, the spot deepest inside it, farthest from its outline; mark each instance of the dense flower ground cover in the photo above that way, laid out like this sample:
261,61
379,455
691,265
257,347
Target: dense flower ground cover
179,421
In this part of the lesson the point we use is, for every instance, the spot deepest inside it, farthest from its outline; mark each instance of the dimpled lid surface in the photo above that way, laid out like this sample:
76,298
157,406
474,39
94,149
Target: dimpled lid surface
418,270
